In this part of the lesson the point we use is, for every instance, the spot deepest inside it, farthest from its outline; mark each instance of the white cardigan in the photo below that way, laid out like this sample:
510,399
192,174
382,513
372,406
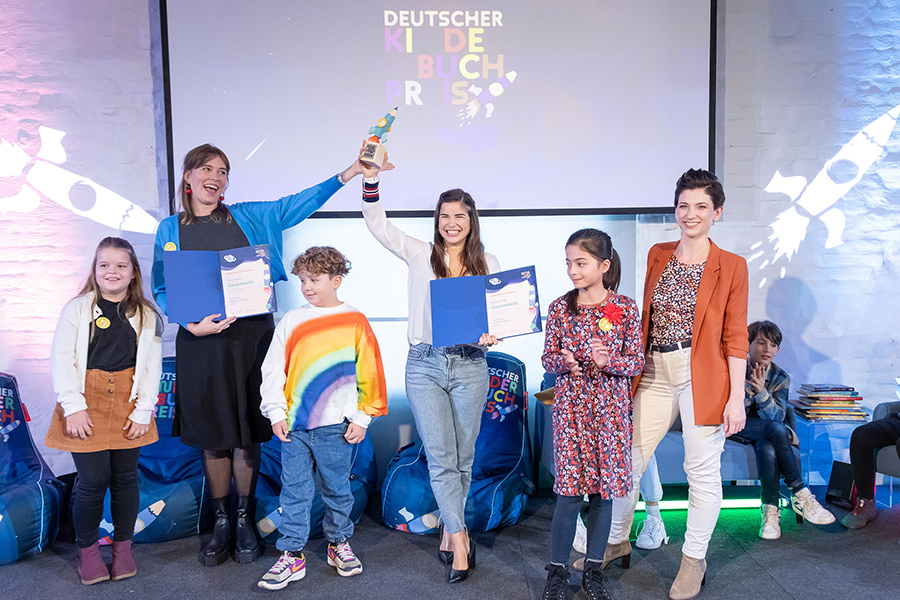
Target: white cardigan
417,255
68,359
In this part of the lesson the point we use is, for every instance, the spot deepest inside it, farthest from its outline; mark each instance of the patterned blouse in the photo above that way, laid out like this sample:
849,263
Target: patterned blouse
673,302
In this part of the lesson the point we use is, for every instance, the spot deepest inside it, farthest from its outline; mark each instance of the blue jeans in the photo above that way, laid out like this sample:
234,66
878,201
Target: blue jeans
331,453
651,487
774,456
447,388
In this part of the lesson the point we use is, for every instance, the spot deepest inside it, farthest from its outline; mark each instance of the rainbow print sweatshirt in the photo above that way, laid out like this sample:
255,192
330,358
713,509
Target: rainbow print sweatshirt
322,367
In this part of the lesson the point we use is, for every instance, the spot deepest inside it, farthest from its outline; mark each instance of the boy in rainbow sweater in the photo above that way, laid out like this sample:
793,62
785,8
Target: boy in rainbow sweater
323,382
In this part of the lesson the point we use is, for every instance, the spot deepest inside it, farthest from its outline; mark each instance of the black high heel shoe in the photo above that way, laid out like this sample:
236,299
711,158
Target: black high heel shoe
457,575
446,556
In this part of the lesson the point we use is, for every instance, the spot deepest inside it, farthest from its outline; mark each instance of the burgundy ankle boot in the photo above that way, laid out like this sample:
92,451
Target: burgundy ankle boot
91,567
122,561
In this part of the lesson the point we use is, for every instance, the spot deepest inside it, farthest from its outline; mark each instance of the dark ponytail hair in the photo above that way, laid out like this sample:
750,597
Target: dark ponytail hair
599,245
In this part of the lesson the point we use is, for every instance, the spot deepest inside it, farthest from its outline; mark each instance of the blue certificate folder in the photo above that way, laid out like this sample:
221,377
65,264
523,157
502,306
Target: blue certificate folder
194,282
463,308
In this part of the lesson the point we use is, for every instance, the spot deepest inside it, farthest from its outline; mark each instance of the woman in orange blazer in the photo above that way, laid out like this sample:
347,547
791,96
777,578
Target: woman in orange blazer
695,335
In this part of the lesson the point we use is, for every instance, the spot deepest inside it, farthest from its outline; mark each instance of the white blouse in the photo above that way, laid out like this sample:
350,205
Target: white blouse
417,255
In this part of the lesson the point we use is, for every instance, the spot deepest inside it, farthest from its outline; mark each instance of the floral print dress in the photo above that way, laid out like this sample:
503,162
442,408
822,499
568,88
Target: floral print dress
592,412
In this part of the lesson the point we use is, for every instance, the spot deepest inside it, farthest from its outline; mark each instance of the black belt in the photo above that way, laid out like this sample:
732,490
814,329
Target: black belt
671,347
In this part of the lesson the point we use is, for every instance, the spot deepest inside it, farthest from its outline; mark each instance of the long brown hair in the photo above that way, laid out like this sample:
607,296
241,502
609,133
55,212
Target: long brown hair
472,258
195,159
599,245
134,301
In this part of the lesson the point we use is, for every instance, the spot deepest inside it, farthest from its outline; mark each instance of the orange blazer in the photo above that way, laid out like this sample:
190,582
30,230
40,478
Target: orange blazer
720,325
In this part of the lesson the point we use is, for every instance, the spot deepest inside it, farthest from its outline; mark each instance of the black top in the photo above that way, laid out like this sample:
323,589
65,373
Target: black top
113,345
217,397
205,234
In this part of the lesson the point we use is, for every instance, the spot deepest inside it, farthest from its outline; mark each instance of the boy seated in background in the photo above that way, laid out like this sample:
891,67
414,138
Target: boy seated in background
765,399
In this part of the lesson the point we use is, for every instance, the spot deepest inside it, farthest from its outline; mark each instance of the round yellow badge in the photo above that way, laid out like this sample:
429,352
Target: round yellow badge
169,246
102,322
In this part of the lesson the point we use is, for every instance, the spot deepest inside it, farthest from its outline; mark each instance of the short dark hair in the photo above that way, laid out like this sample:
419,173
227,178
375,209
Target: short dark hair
768,329
700,179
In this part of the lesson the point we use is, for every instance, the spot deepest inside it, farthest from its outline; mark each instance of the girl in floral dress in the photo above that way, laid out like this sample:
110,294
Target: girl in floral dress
593,343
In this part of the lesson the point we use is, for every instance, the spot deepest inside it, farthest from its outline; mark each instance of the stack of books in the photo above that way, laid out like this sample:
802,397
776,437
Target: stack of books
819,402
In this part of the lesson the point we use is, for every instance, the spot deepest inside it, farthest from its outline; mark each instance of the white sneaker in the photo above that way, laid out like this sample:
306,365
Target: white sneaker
806,505
651,533
288,568
770,529
580,542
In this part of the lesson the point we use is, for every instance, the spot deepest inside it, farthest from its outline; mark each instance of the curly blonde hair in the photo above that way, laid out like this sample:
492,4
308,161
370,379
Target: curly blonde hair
321,260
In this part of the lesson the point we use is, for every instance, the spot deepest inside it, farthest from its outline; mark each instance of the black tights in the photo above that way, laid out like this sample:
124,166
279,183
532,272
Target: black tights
240,464
562,529
115,470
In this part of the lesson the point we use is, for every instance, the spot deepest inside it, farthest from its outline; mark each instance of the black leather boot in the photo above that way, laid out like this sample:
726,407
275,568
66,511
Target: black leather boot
215,550
246,543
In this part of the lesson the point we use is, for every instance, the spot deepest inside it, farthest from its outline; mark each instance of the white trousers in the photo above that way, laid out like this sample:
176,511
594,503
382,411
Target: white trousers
665,392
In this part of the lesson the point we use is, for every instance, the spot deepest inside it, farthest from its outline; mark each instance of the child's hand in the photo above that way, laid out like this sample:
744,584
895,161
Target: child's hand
79,424
488,340
280,429
355,433
571,363
134,430
599,353
757,377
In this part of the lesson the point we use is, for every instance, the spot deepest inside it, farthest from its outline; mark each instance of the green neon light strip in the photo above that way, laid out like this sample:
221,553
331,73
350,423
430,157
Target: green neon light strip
683,504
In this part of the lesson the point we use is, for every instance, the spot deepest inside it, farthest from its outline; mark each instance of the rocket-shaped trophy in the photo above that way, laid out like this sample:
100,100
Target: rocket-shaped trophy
374,152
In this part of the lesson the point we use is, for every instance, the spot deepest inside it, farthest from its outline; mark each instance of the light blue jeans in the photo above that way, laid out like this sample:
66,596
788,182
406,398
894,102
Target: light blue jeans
447,388
331,453
651,488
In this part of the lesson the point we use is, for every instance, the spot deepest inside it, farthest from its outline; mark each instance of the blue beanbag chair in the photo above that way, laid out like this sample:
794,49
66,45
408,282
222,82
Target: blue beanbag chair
174,501
30,495
501,473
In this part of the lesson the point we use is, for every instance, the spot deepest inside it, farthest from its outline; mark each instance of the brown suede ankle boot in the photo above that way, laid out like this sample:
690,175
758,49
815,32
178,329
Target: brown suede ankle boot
691,577
621,550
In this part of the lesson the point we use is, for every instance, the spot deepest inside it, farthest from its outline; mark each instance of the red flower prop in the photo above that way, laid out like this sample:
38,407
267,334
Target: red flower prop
613,313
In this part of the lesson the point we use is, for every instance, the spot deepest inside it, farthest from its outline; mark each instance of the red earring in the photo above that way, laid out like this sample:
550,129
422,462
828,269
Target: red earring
221,198
187,189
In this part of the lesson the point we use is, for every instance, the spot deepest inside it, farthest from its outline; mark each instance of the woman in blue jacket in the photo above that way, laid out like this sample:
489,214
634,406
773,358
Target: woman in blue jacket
217,363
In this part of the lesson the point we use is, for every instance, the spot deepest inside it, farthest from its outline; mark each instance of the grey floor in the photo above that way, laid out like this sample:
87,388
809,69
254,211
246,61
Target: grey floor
807,562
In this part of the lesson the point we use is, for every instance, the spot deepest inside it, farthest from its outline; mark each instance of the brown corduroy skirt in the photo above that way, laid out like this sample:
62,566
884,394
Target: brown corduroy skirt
106,394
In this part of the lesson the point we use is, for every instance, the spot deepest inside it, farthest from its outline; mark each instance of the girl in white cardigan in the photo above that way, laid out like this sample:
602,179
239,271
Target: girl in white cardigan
106,364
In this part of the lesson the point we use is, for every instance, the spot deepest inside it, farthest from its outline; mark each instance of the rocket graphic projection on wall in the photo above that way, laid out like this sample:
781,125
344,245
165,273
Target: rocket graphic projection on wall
46,177
843,171
817,198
